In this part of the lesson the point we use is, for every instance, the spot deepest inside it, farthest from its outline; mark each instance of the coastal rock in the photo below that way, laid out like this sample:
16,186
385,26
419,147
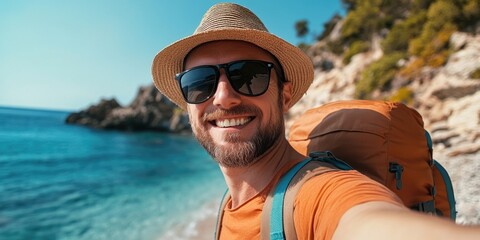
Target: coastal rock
150,110
95,114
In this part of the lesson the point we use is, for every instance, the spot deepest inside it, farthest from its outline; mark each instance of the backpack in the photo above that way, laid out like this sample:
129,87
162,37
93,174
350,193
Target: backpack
384,140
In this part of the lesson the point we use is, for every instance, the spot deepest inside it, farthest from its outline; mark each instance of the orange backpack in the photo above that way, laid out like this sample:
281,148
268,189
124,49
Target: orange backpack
385,141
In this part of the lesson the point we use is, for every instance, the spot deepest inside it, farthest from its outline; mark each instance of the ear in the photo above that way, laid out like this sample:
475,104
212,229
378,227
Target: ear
287,96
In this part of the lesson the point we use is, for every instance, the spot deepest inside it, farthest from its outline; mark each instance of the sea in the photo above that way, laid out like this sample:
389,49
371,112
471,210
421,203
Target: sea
61,181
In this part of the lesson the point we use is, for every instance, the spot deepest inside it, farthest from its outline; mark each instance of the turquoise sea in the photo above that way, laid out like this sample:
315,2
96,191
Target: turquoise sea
60,181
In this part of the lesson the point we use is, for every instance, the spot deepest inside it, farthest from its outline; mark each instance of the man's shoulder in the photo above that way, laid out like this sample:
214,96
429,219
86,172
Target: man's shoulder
344,184
323,199
337,178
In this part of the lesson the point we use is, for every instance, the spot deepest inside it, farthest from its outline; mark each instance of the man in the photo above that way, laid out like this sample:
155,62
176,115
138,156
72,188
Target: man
236,80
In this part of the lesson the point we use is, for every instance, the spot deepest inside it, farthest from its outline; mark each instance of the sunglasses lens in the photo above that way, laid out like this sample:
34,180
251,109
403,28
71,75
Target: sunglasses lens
249,77
198,84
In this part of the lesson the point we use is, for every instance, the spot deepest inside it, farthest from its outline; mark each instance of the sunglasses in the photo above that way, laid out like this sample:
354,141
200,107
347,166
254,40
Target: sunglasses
247,77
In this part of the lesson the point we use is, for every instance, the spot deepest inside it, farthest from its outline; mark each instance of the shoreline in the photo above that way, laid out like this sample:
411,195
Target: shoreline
199,225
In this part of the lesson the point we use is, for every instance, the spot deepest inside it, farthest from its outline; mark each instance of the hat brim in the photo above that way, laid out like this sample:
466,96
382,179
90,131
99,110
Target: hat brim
297,66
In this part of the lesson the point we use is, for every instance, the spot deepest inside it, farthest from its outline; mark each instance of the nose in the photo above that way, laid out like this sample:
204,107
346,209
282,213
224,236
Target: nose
225,97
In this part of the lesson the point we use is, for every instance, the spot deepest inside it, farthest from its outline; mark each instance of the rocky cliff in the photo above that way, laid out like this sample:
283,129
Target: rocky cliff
150,110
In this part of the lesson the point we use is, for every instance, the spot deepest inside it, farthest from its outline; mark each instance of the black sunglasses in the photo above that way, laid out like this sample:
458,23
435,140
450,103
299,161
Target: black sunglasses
247,77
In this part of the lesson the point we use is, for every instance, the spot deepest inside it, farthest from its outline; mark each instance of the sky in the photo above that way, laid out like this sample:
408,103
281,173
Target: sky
69,54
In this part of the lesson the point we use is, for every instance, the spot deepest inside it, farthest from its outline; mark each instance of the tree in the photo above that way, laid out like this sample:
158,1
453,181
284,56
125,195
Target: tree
301,27
349,4
329,26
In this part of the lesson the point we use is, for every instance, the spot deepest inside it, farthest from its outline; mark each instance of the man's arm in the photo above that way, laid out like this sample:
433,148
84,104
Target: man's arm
382,220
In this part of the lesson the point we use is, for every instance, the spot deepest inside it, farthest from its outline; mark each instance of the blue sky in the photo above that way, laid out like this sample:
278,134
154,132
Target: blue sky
69,54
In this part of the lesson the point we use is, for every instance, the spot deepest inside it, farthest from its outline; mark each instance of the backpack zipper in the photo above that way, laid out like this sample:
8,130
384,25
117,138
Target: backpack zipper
398,170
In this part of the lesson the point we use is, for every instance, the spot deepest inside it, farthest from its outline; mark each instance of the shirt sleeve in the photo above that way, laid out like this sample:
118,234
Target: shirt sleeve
323,199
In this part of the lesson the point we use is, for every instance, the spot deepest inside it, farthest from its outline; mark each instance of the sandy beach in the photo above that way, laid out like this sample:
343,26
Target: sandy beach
201,224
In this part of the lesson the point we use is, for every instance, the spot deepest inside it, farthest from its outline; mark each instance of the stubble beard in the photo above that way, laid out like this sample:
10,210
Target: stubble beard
241,153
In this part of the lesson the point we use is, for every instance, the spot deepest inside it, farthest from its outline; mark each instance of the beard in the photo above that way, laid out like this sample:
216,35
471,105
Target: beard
241,152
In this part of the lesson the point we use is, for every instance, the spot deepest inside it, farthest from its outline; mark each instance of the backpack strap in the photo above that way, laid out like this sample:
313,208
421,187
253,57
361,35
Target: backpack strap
223,204
265,220
272,213
446,183
277,214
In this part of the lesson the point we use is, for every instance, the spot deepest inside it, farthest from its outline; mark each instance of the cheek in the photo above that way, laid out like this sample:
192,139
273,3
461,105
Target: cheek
194,115
269,102
272,92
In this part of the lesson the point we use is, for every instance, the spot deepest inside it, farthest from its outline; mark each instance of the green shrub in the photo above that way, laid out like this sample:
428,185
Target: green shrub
355,48
329,26
438,59
471,9
442,38
432,43
439,26
335,47
363,20
416,46
403,95
475,74
433,49
421,4
378,75
441,12
401,33
413,69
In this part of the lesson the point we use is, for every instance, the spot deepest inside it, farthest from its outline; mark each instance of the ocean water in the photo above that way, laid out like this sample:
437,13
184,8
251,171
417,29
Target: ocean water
60,181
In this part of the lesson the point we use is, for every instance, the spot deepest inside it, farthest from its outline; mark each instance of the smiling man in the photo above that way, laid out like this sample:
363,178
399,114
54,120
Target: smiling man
236,130
236,80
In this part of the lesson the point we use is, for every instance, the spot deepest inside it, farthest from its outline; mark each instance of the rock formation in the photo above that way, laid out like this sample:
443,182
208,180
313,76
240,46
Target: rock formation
150,110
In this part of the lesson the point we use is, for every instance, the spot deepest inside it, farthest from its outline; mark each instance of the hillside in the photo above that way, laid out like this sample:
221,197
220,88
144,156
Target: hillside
441,82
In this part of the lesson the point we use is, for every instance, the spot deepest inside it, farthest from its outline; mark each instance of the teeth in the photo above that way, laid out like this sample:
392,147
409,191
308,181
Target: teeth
231,122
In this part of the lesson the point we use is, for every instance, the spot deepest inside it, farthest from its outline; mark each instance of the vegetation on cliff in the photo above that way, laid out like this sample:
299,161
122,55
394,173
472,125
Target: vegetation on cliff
414,34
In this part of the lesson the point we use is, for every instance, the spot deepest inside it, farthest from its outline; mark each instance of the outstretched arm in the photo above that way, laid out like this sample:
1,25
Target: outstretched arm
382,220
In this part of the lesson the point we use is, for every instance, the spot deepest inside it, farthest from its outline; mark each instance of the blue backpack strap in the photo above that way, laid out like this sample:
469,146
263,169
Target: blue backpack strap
276,216
449,187
446,178
328,157
429,144
288,186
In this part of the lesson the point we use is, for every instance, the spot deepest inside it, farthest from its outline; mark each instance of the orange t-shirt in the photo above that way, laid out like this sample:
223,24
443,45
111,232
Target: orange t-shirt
319,205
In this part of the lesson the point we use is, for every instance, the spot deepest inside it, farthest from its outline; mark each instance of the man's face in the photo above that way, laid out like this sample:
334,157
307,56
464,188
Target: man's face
236,129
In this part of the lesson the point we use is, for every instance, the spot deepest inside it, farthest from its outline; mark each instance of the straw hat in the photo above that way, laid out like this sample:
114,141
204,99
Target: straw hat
227,21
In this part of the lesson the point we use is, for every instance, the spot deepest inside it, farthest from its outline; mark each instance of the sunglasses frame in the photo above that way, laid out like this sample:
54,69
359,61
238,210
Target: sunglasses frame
225,66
